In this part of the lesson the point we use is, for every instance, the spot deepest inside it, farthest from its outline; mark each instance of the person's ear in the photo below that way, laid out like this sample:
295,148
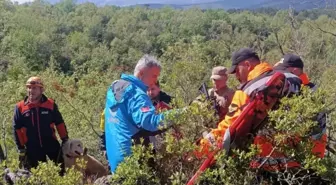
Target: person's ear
141,73
248,64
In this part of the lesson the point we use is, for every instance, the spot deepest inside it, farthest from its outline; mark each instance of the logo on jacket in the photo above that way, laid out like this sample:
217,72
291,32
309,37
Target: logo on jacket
45,112
145,109
112,116
27,114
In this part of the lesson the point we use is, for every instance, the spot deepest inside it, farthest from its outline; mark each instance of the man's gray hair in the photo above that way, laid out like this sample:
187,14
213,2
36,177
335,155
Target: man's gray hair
147,61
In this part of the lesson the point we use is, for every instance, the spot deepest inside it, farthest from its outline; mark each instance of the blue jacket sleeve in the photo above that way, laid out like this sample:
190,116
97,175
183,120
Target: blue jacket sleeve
143,113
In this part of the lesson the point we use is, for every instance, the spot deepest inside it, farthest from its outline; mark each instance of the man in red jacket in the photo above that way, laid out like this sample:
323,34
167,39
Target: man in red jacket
35,120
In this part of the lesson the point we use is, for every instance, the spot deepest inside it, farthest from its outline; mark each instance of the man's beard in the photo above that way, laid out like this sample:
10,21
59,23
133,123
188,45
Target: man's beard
33,99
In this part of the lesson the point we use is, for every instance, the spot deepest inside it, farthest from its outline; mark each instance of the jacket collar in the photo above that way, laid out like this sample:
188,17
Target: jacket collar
136,81
258,70
42,100
304,78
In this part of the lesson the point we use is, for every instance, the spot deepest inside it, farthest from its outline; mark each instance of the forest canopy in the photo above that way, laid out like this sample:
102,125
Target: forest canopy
80,49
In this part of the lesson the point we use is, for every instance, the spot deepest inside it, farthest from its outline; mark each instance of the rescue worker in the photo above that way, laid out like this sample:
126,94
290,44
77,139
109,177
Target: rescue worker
35,120
161,101
293,64
251,73
129,109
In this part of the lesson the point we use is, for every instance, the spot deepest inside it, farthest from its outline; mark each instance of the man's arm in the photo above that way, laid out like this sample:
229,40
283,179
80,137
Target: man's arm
144,114
20,134
60,125
215,137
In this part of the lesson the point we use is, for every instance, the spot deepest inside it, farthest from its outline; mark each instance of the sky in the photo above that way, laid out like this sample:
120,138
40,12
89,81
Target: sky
132,2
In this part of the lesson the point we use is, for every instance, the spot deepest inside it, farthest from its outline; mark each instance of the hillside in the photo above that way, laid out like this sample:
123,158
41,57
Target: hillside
213,4
256,4
224,4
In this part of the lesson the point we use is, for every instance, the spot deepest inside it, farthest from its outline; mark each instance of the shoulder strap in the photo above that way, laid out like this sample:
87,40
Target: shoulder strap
254,84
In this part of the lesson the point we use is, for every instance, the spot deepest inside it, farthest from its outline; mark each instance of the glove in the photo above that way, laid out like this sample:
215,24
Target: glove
209,138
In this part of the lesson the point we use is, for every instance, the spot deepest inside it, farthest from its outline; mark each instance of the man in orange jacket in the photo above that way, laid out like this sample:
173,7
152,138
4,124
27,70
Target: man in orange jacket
246,66
252,73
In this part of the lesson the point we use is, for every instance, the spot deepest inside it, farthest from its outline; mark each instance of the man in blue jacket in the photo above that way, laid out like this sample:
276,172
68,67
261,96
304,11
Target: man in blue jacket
129,109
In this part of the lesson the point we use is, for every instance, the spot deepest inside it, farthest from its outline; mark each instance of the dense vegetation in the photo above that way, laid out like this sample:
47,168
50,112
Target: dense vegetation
80,49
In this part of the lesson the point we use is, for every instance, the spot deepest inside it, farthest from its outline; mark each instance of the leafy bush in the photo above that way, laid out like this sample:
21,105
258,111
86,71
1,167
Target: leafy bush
78,50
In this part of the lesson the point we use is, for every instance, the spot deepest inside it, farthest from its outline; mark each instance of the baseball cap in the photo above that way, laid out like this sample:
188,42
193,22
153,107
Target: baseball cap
290,60
241,55
218,72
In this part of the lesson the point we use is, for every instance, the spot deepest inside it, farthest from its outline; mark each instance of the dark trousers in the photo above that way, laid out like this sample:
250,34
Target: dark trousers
39,154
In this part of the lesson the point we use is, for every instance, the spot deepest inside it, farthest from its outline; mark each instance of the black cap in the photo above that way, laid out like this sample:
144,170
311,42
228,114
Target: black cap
290,60
241,55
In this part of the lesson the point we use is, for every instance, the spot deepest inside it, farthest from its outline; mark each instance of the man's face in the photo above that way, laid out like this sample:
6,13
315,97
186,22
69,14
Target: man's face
242,71
34,93
219,83
150,75
294,70
153,91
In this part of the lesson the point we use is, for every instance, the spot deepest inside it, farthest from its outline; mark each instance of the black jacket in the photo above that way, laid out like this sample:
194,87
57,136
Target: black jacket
34,125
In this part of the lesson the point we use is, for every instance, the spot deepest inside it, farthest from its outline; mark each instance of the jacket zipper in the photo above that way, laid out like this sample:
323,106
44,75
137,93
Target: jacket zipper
32,117
38,125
